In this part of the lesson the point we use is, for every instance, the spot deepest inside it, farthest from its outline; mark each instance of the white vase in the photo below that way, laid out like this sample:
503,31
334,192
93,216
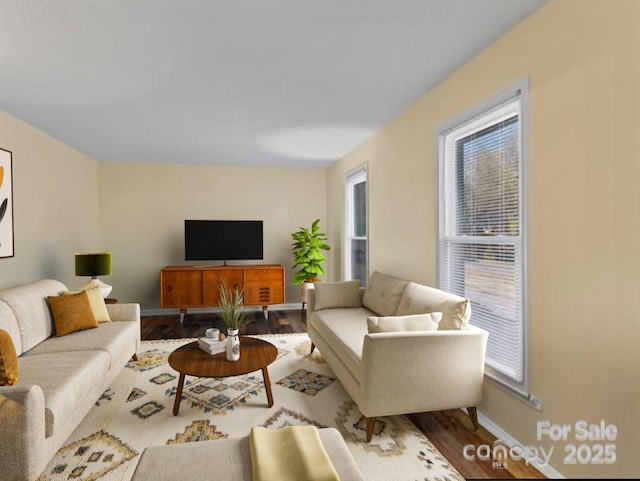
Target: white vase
233,345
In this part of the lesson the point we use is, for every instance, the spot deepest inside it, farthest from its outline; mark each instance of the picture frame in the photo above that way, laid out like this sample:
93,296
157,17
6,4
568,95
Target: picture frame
6,204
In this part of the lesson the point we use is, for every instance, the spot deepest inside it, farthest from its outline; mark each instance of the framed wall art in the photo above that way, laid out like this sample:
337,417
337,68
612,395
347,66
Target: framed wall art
6,204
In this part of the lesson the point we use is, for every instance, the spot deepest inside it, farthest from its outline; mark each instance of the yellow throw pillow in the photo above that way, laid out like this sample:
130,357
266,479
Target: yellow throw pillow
96,300
8,360
72,313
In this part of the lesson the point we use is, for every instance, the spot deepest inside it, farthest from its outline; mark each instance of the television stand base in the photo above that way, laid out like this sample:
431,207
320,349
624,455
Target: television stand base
186,287
265,313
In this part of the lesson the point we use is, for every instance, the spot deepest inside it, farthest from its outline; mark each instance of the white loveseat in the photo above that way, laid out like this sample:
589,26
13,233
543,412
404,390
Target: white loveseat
391,357
60,378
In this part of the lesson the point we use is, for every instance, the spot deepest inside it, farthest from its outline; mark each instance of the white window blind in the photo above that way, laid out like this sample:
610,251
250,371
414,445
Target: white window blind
481,230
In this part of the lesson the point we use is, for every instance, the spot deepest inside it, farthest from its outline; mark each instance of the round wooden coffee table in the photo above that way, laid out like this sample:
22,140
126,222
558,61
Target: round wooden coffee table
255,354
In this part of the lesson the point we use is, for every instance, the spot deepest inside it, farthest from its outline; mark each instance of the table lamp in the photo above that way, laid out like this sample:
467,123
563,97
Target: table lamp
94,265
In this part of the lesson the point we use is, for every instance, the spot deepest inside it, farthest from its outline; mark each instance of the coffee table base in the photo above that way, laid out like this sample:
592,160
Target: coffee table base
176,403
193,361
267,387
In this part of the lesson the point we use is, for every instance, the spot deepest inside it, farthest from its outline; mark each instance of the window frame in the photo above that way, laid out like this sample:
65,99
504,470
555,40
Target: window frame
519,90
351,179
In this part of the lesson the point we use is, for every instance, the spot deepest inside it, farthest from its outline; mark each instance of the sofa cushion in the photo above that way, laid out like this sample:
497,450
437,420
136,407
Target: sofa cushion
65,379
333,295
31,310
96,300
344,331
8,360
383,292
115,338
414,322
72,313
419,299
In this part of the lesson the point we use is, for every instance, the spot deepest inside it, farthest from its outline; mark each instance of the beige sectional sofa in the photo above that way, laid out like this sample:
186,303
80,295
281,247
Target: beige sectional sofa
60,378
398,347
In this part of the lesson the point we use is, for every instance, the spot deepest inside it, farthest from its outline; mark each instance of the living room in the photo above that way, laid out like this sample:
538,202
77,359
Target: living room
581,61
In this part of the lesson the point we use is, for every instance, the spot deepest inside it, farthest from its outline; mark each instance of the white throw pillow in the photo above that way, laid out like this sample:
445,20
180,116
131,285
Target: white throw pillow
416,322
334,295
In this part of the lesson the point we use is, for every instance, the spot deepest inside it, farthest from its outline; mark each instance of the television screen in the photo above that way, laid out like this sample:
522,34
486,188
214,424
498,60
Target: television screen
222,240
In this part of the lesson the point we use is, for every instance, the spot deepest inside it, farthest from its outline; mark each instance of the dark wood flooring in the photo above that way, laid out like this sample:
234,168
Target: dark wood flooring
449,431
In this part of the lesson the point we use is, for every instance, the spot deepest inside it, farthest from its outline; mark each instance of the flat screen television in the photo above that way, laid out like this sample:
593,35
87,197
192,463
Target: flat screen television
222,240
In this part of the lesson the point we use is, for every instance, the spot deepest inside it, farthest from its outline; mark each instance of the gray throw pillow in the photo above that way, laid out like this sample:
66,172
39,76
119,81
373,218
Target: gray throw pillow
334,295
383,293
418,299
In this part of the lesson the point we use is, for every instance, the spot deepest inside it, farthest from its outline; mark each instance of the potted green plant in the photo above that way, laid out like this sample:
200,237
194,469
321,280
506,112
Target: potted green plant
231,311
307,252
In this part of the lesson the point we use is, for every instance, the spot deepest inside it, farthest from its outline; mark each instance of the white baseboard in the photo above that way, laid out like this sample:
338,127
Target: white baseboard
159,311
510,441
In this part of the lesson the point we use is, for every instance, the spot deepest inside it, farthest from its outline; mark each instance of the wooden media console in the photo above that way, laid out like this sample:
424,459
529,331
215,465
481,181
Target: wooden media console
186,287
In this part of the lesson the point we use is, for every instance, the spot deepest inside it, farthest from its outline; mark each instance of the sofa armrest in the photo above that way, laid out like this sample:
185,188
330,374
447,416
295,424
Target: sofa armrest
124,312
311,302
405,372
23,431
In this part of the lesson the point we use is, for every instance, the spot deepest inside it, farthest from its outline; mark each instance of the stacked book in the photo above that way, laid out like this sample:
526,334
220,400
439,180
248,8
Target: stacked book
212,345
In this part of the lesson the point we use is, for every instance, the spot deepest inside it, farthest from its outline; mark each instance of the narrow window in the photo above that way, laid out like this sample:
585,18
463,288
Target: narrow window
481,228
356,252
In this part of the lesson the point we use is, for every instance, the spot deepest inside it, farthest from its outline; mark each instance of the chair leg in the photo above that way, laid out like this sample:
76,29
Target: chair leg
313,346
473,414
371,423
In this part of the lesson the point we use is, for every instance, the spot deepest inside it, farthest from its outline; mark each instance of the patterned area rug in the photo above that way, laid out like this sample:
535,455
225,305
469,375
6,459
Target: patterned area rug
136,412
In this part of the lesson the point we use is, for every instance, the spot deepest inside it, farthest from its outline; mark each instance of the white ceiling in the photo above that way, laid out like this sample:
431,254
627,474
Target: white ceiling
257,82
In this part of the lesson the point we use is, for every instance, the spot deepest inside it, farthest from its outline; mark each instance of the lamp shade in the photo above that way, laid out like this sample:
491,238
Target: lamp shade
95,264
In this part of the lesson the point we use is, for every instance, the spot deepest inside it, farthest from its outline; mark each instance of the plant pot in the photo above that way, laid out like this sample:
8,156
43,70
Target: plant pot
233,345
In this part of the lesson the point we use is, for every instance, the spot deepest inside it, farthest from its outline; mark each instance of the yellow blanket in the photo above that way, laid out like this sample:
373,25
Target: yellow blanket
294,453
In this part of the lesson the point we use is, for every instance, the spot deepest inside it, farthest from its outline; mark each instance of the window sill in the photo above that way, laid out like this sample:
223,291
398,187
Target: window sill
528,398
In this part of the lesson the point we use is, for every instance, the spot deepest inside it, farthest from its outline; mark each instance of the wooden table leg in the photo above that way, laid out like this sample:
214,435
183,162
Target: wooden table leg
176,403
267,386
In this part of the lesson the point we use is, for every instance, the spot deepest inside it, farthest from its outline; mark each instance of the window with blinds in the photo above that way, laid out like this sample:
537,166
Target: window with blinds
356,235
481,229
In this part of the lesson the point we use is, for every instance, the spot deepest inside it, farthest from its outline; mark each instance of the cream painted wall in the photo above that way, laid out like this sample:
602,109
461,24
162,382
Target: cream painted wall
55,204
583,63
143,207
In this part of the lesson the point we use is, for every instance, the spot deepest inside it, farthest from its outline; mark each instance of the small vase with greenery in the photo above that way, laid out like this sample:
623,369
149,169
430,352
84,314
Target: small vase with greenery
231,305
231,312
307,251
